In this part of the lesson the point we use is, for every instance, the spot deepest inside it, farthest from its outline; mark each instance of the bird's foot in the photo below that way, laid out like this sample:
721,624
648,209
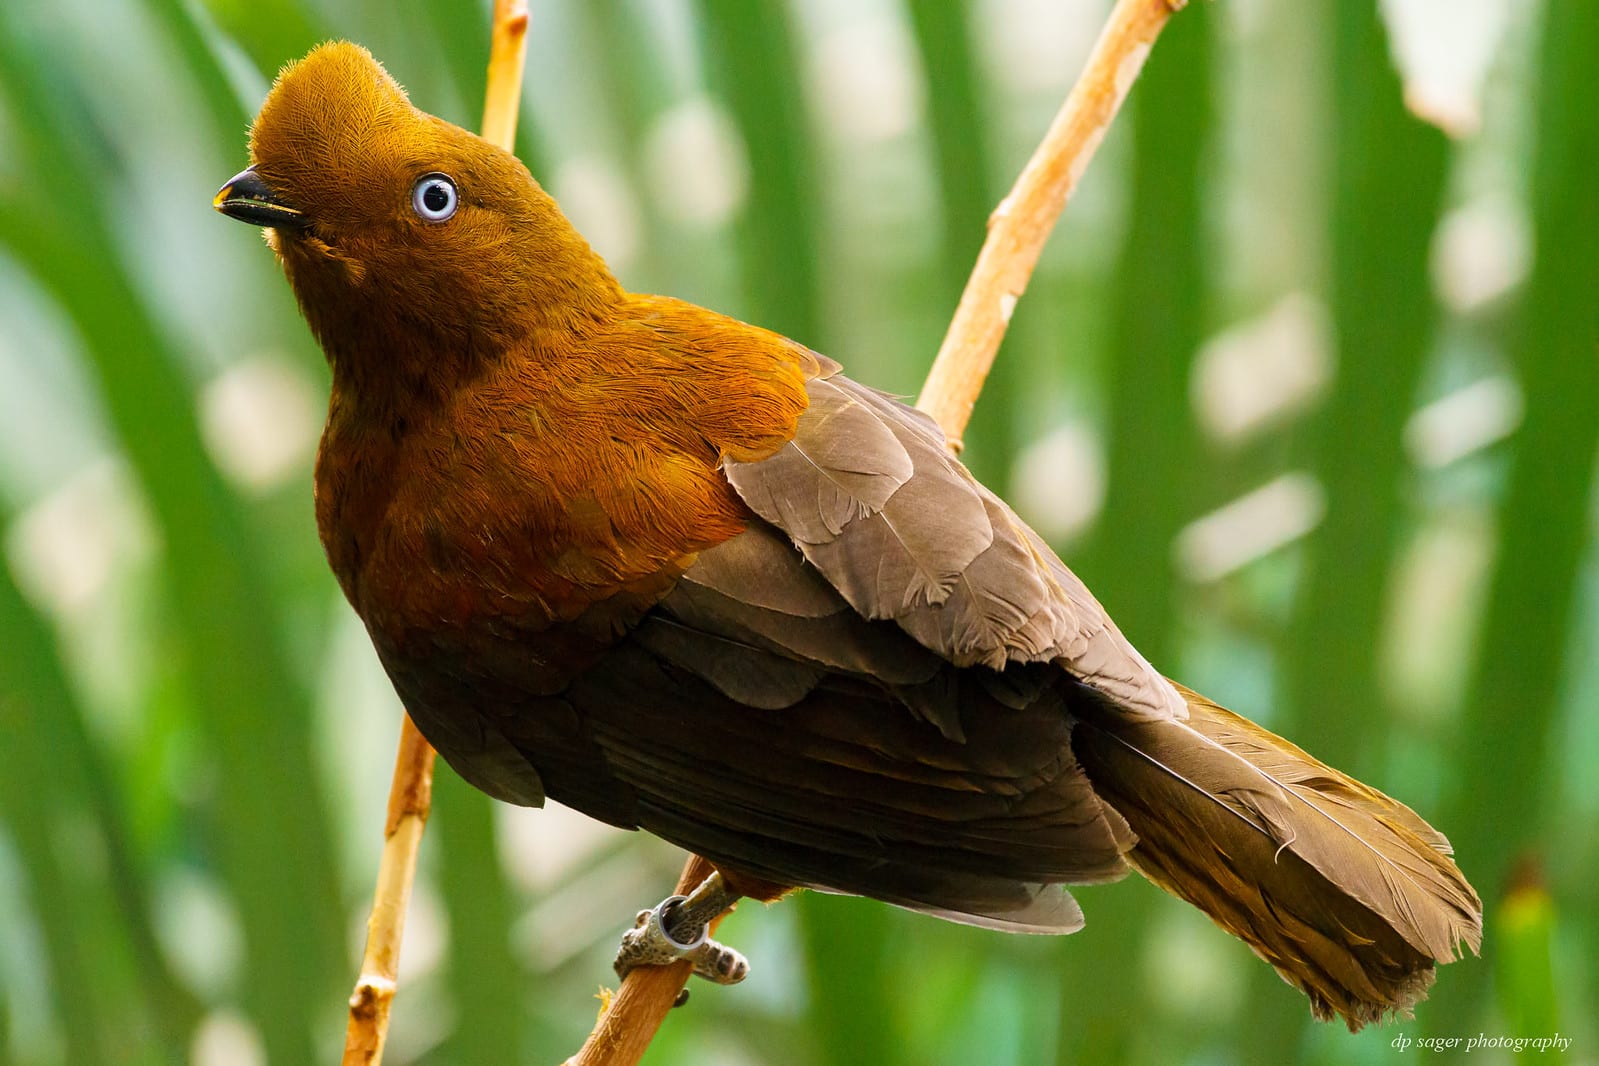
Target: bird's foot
679,928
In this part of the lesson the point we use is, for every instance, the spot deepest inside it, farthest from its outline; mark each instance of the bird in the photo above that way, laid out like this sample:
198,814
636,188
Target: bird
683,574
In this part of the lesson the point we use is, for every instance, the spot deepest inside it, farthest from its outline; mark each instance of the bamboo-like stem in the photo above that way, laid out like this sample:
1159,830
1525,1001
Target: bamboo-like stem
502,98
626,1027
410,799
1017,231
1023,220
411,790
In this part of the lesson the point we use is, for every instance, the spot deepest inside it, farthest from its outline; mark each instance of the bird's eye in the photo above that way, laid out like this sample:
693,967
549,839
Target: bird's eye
433,197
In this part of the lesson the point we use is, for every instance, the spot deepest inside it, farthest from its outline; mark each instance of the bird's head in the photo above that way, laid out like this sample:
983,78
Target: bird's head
393,224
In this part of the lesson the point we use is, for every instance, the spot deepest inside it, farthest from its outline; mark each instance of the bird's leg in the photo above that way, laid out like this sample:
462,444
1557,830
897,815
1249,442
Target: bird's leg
678,928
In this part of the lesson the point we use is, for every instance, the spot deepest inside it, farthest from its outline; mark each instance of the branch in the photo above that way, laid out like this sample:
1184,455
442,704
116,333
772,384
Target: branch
507,54
628,1023
411,791
410,797
1016,234
1022,222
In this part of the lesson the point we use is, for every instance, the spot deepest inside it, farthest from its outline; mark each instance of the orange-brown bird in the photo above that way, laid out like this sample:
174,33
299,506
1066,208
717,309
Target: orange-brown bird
683,575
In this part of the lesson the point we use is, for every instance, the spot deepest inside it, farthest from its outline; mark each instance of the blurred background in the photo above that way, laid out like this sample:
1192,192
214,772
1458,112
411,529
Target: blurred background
1306,387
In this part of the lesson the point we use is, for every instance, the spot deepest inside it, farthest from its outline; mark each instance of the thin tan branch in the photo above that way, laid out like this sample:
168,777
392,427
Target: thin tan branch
1016,235
628,1024
1022,222
502,98
411,790
410,799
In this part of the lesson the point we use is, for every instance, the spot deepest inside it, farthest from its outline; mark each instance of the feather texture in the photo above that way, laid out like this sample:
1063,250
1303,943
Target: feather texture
1344,890
905,533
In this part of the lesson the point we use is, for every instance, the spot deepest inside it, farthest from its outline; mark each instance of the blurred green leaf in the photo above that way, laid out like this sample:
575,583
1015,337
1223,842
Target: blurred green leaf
1524,927
35,692
755,70
491,992
1498,796
56,768
967,194
249,706
1380,229
272,32
1157,317
845,945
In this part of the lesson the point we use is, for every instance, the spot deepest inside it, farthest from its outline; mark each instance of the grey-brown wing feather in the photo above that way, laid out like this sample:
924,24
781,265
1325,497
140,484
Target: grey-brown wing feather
869,495
846,791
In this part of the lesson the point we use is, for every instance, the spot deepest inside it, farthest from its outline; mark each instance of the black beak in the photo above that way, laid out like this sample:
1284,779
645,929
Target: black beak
249,199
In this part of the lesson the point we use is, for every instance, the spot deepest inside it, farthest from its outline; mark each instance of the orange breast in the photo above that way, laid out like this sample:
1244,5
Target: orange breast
558,480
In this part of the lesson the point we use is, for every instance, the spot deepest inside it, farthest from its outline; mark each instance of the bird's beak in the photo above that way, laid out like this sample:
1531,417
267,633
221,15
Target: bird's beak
248,198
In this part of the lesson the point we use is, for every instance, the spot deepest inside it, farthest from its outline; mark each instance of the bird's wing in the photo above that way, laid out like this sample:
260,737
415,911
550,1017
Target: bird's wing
869,495
800,774
762,721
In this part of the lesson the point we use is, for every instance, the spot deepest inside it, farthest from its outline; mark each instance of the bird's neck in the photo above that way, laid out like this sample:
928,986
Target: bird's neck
393,355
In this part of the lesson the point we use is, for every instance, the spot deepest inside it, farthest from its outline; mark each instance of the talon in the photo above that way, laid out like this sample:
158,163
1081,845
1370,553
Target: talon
677,928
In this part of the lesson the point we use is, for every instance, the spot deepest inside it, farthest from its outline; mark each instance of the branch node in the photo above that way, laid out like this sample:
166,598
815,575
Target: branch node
372,995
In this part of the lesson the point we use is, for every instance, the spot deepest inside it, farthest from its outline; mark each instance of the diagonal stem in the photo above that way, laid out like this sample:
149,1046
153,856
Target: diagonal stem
410,798
1023,220
629,1023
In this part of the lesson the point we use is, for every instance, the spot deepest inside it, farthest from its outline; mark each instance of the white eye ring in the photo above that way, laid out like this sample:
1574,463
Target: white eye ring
433,197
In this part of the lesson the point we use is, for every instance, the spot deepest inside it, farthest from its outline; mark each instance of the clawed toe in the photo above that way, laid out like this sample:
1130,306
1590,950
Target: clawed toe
679,928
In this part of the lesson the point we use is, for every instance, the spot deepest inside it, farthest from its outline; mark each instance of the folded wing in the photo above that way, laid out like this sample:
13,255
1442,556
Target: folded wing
869,495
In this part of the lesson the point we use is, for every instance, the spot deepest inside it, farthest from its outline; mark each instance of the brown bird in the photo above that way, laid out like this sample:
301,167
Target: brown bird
683,575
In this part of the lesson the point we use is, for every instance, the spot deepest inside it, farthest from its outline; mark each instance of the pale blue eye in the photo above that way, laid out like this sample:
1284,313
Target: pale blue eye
433,197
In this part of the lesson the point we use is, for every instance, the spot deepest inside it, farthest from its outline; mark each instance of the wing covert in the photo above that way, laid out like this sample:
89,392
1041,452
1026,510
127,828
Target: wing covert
869,495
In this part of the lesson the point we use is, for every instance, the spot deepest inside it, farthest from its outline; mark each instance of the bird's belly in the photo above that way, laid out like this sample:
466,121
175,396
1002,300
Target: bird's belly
845,789
490,696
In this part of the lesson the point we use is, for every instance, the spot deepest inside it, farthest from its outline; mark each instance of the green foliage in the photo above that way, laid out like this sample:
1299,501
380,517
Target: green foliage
196,738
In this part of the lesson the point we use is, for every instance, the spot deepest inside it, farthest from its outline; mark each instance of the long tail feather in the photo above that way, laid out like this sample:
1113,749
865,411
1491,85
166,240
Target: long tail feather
1348,893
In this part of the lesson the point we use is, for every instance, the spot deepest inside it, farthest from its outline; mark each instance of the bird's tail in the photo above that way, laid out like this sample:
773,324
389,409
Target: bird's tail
1350,895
